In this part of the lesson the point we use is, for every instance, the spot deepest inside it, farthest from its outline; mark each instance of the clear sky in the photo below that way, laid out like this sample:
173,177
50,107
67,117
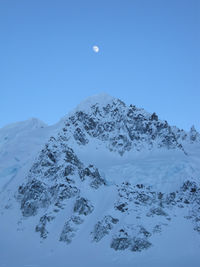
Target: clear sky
149,56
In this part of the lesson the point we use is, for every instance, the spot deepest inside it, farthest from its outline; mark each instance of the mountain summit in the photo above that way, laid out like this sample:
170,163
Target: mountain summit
109,184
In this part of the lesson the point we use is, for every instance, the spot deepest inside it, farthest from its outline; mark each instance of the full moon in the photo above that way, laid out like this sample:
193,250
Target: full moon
95,48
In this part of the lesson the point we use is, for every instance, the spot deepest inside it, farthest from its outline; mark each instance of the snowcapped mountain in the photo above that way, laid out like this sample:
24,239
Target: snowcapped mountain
111,184
19,144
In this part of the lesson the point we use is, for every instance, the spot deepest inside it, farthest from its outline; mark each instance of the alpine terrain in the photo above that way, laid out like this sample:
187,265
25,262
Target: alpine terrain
109,185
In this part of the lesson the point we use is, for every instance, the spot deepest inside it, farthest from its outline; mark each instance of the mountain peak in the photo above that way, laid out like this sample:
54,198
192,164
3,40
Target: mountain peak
101,99
31,123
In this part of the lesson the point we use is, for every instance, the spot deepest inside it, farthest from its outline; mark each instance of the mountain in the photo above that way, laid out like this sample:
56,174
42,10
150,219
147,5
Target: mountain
19,144
109,185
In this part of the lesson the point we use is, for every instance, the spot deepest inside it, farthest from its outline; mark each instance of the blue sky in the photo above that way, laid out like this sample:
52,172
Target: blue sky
149,56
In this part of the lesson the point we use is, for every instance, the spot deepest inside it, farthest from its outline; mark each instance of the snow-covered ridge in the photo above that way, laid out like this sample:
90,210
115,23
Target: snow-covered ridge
19,144
31,123
101,100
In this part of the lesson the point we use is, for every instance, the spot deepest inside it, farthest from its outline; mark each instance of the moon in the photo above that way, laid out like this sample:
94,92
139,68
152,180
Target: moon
95,48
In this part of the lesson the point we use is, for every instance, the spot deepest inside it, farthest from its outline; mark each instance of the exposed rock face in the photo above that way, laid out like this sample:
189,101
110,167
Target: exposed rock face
57,169
121,128
103,227
156,211
133,198
93,174
70,228
138,198
134,239
68,233
194,135
41,227
33,195
54,178
36,195
83,206
120,243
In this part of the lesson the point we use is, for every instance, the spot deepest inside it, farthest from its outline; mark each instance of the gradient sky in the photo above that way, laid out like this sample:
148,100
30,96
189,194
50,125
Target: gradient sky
149,56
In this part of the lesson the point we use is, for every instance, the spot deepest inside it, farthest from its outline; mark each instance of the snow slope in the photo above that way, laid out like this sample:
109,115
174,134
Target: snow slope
19,144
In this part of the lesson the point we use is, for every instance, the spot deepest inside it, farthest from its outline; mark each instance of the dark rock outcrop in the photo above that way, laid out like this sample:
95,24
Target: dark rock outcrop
83,206
103,227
